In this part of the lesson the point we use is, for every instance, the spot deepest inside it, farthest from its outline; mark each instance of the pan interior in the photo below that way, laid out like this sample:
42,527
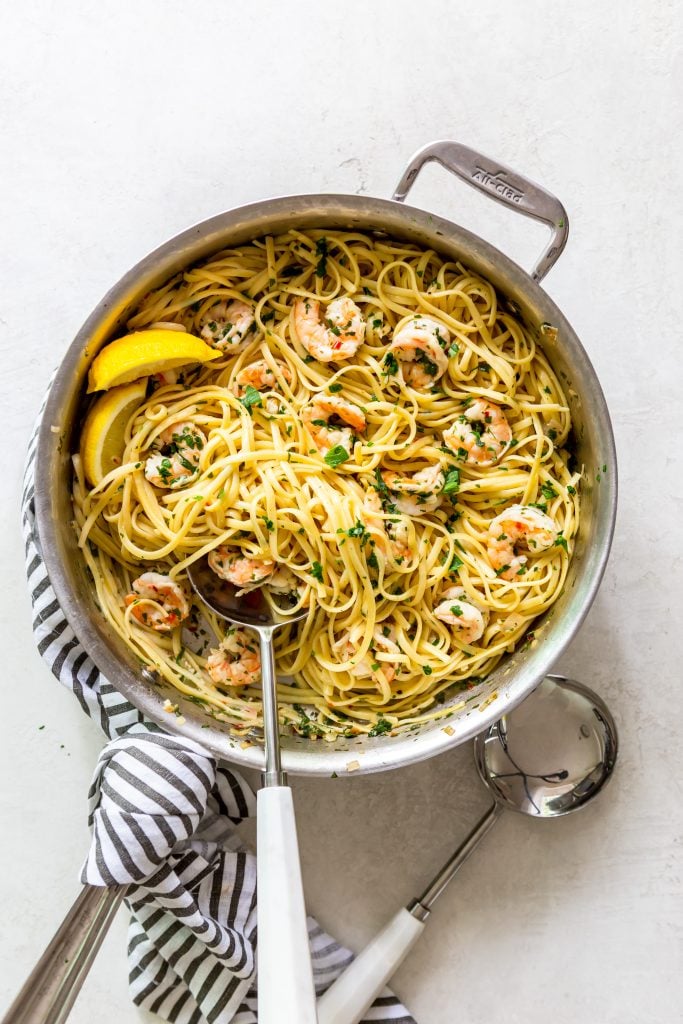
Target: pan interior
518,673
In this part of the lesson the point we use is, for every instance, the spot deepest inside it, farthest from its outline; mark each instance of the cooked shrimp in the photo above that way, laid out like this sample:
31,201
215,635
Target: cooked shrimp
260,375
236,661
236,568
319,416
165,377
177,464
227,325
384,640
394,529
339,337
458,610
519,524
418,493
481,435
419,348
158,602
283,582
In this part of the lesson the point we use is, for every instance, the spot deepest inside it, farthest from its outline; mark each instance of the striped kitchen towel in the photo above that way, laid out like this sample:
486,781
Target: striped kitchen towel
163,813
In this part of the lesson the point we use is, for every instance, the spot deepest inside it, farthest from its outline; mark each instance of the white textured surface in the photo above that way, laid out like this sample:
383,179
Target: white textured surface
123,123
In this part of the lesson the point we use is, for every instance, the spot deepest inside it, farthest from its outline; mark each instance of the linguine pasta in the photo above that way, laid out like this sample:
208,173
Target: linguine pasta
371,655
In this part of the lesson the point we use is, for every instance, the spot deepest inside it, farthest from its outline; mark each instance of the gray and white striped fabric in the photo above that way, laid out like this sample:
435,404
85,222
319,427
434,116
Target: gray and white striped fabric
163,812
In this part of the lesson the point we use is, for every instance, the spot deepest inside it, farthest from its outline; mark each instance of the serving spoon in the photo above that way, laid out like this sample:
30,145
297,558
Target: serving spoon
549,756
286,994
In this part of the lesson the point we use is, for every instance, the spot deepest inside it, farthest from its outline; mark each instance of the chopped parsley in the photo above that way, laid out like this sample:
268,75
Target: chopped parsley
334,388
317,572
452,484
336,456
548,491
427,669
390,363
251,397
456,563
305,725
430,368
379,484
381,726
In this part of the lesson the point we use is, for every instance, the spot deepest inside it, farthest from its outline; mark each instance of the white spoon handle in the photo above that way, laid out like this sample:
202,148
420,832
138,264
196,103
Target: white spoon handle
348,998
285,978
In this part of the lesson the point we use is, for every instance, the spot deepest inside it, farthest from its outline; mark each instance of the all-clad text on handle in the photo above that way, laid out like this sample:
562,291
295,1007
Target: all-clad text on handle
500,183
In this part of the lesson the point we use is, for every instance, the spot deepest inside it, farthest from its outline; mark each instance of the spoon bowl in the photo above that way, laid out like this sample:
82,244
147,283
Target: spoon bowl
552,754
250,609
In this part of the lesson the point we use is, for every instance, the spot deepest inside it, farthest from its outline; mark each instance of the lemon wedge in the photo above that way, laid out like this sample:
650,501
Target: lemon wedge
102,437
144,353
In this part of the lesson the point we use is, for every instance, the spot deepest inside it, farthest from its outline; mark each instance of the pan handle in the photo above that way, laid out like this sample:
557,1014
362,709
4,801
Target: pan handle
52,986
500,183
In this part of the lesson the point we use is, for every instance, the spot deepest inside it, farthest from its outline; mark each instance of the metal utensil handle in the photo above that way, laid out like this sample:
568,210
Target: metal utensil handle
51,988
273,774
421,907
347,998
500,183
